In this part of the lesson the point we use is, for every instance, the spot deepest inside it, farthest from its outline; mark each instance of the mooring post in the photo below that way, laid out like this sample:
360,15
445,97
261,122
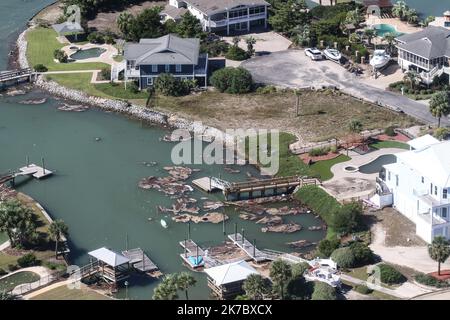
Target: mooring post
126,241
235,231
254,247
43,165
143,261
185,248
189,230
196,261
223,223
243,233
28,161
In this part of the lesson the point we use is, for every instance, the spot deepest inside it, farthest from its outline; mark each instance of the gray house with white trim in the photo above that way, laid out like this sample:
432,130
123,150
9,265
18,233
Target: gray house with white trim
181,57
221,15
426,51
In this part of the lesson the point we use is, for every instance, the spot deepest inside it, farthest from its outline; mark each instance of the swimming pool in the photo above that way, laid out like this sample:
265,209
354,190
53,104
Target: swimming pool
376,165
382,29
87,54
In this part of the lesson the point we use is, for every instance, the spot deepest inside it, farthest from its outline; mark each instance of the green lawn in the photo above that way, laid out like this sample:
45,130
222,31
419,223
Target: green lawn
3,237
42,43
9,283
291,164
82,81
64,293
389,144
323,168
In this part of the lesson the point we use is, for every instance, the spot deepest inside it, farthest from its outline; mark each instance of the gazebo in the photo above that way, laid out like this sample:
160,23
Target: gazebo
226,280
112,266
67,28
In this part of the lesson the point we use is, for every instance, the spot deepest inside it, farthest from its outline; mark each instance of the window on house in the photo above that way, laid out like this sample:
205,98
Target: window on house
167,68
431,188
423,180
178,68
389,175
396,180
435,190
149,81
444,213
154,68
444,193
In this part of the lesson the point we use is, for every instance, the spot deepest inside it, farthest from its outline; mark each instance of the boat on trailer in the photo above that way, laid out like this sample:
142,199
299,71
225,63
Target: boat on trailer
333,54
380,59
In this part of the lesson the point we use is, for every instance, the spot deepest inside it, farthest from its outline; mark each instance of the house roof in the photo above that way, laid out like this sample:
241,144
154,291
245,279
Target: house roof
229,273
109,257
423,141
432,161
431,42
168,49
173,12
215,6
68,27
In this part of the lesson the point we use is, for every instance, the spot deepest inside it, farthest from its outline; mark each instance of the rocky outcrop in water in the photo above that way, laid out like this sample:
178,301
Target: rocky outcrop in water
283,228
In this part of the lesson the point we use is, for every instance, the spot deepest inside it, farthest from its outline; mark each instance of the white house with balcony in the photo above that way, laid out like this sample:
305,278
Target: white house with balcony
418,186
426,52
221,15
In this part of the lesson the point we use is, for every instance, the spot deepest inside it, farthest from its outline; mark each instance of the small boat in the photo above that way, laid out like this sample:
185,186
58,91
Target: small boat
380,59
164,224
332,54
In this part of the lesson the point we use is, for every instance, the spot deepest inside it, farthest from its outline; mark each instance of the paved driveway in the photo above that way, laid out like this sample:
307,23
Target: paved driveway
291,68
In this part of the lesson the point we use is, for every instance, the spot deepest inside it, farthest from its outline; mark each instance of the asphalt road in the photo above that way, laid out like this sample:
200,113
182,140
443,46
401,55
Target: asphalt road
291,68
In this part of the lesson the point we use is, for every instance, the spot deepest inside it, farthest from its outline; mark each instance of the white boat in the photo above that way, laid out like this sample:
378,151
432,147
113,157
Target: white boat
380,59
332,54
164,224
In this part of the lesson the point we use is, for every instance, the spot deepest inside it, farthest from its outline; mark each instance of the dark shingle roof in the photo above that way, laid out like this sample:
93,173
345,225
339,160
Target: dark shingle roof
432,42
168,49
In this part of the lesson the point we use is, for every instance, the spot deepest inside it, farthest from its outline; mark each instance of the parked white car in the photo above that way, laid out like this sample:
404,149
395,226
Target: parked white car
314,53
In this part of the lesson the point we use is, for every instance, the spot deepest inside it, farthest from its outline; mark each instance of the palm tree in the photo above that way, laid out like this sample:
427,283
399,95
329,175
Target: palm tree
439,250
17,221
399,9
411,16
369,34
280,273
124,22
255,287
250,45
167,289
57,230
389,38
440,106
413,78
184,281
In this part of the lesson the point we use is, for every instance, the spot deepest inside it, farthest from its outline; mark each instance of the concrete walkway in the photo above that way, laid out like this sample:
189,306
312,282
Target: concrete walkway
4,245
438,295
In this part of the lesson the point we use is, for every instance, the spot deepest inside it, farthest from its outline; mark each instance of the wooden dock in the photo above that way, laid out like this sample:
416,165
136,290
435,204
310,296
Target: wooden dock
253,252
140,261
16,76
203,184
192,249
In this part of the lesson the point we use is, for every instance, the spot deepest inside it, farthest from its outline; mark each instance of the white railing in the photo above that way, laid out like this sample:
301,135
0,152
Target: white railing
224,22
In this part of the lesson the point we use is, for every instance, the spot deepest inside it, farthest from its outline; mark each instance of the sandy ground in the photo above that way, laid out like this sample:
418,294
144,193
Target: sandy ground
414,256
391,74
105,21
50,14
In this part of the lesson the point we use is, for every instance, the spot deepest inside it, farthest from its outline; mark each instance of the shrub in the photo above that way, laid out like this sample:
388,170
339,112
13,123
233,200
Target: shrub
109,39
333,149
323,291
319,151
105,74
167,85
299,269
60,55
362,253
363,289
95,37
28,260
3,272
355,126
40,68
13,267
441,133
232,80
431,281
326,247
266,90
236,53
214,47
347,219
344,257
133,87
390,275
390,131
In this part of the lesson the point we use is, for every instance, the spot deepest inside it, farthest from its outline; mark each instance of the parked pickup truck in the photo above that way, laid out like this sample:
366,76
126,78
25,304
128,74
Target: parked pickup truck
314,53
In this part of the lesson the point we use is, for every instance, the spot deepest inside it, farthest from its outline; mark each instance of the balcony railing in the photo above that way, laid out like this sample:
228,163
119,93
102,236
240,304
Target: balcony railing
133,72
224,22
425,196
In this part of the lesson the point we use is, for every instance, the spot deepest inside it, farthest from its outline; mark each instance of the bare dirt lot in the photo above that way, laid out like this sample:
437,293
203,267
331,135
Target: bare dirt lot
323,114
106,21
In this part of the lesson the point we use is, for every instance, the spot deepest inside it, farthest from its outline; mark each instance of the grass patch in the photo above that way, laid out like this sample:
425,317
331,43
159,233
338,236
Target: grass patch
82,82
10,282
42,43
323,168
389,144
291,164
118,58
64,293
358,273
3,237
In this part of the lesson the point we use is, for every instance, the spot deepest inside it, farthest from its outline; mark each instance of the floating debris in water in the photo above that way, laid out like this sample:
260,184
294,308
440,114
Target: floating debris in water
300,244
270,220
211,217
72,108
231,170
283,228
15,92
317,228
212,205
98,139
149,164
34,101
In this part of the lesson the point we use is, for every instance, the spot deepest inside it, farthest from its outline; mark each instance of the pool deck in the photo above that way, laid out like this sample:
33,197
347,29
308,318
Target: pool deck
106,57
346,185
